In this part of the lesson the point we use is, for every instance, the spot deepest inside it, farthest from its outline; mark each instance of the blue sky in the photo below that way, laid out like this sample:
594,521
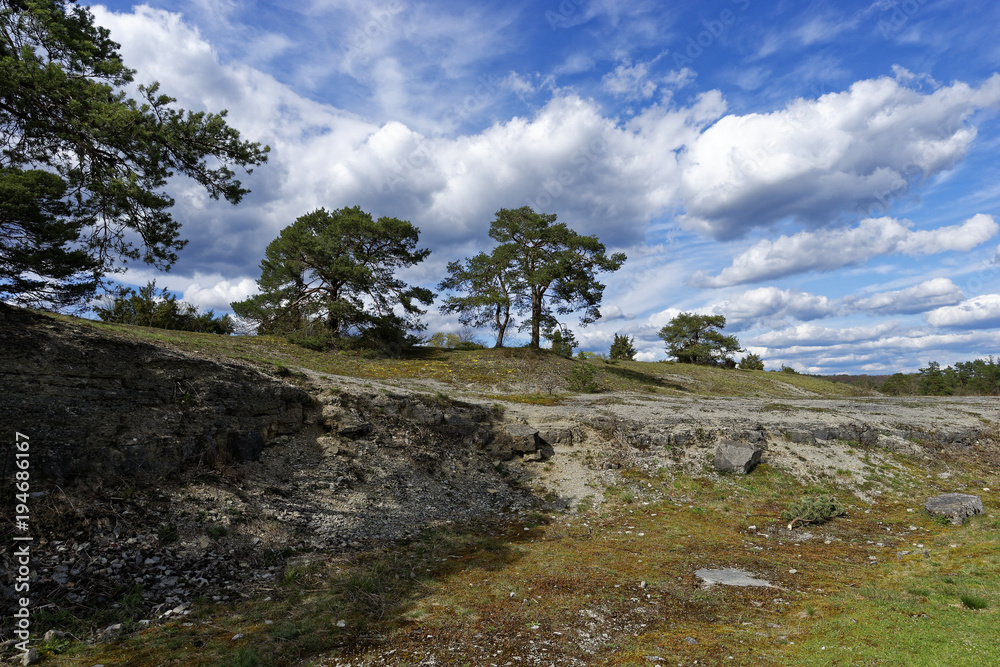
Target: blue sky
823,174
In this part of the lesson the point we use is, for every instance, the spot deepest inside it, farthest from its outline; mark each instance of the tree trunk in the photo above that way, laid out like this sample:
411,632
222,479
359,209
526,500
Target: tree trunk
536,318
501,325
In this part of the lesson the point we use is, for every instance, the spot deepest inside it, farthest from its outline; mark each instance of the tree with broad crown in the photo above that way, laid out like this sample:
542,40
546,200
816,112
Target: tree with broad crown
623,347
338,268
697,339
489,285
553,267
64,111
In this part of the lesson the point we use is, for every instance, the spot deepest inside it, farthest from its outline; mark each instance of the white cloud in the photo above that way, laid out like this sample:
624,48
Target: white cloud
679,78
978,312
811,335
916,299
773,304
818,160
882,351
822,28
832,249
217,295
629,81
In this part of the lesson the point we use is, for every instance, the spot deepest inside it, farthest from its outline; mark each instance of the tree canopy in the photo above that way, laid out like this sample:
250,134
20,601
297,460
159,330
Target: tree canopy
64,112
751,362
623,347
488,286
698,339
338,268
539,267
149,308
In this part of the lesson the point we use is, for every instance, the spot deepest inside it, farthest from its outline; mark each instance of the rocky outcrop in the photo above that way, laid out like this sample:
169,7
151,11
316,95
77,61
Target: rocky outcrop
94,404
954,506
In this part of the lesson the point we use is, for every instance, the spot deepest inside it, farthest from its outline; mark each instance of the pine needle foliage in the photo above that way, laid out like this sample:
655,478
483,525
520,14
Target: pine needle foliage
813,509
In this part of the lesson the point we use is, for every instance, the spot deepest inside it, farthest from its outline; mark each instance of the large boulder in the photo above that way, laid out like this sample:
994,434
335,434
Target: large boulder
955,506
523,438
736,457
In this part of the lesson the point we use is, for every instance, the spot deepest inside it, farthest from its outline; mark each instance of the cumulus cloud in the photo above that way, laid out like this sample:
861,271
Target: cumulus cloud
827,250
811,335
630,81
978,312
880,351
916,299
817,160
215,293
773,304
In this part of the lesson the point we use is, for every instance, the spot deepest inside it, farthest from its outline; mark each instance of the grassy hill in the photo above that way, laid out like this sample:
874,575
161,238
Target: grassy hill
516,374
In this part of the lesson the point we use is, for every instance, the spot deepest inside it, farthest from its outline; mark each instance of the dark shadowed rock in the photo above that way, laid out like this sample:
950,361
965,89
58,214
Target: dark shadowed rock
801,437
736,457
955,506
523,438
556,436
94,403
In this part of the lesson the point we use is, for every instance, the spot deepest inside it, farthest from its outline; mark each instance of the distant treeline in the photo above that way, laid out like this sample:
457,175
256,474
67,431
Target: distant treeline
980,377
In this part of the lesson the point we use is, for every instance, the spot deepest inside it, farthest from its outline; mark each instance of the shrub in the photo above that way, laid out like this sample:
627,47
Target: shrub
582,379
161,310
751,362
623,347
814,509
563,341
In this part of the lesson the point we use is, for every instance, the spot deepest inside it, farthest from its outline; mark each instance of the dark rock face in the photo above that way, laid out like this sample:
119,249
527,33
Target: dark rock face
102,406
955,506
735,457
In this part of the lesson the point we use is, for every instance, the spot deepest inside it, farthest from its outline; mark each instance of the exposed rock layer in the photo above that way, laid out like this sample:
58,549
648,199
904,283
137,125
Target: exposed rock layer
96,405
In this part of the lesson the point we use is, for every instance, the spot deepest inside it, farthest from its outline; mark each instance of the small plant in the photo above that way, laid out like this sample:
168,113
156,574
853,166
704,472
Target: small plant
815,509
940,520
581,378
498,410
215,532
291,575
167,533
973,602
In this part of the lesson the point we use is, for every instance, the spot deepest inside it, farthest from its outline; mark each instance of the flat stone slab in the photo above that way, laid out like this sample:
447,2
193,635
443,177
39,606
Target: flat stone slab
955,506
729,576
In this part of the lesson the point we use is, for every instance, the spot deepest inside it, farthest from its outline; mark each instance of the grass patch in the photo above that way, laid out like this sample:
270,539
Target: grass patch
503,369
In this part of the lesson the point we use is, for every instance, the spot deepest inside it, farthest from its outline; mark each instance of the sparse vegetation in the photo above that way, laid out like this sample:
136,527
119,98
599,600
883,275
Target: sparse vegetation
629,562
815,509
582,378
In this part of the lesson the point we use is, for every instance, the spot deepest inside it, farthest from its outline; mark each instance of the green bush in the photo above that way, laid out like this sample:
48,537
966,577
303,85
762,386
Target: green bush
582,378
623,347
814,509
751,362
161,310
